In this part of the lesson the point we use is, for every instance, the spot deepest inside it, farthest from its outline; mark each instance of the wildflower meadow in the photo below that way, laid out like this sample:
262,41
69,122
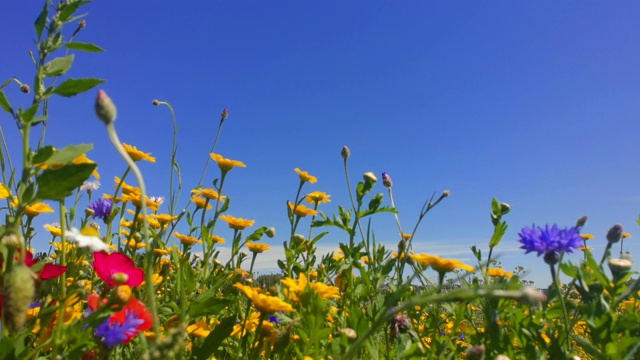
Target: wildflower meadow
132,276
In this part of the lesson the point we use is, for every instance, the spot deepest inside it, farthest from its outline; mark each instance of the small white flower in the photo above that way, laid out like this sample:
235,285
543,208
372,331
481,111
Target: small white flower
158,199
89,185
87,237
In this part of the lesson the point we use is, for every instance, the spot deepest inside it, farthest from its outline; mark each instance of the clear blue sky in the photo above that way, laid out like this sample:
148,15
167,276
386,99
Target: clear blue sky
535,103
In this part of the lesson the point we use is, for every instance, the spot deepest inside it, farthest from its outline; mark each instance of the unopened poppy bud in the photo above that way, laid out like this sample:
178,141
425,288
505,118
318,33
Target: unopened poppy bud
122,294
18,292
386,180
614,234
297,239
105,109
224,114
369,176
345,152
271,232
25,89
120,278
155,102
581,222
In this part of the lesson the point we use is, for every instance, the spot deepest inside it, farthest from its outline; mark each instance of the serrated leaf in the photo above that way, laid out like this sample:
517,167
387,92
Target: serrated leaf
82,46
58,66
56,184
72,87
67,154
41,21
4,103
215,338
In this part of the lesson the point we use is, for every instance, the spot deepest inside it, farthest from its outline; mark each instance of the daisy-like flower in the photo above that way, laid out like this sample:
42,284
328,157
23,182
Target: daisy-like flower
208,193
200,202
549,239
257,248
53,229
298,286
4,191
305,177
318,197
158,199
87,237
90,185
586,237
187,240
137,155
267,304
499,272
440,264
237,223
35,209
117,269
302,210
226,164
217,239
164,219
101,209
200,329
126,188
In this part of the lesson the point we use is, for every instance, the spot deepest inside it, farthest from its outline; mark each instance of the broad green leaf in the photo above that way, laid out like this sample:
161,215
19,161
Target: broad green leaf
68,9
58,66
495,206
498,233
215,338
68,153
206,304
56,184
41,21
257,235
82,46
42,154
27,116
376,201
72,87
4,103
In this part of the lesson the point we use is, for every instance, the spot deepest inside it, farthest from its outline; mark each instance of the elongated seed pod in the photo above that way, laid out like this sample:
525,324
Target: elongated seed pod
18,293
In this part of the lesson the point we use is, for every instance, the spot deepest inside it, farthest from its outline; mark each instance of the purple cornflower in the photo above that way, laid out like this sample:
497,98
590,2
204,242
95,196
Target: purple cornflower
101,209
386,180
549,239
113,333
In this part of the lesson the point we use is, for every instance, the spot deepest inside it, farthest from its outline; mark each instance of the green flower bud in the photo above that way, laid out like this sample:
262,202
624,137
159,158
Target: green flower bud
297,239
18,293
619,267
345,152
369,176
105,109
271,232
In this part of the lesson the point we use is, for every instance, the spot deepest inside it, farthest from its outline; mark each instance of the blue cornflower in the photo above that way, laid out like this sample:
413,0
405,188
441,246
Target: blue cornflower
549,240
101,209
113,333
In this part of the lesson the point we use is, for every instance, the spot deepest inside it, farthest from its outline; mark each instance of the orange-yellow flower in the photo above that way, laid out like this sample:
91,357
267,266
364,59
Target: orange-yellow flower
226,164
587,236
237,223
304,176
37,209
199,329
298,286
318,197
499,272
208,193
164,219
138,155
217,239
187,240
126,188
302,210
4,191
53,230
257,248
265,303
200,202
441,265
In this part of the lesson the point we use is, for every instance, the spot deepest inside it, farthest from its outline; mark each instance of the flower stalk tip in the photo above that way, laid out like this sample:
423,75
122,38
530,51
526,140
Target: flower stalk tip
105,109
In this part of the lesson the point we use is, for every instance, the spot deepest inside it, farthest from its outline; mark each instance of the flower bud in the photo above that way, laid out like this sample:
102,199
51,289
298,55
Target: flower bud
224,115
271,232
386,180
369,176
155,102
120,278
505,208
551,257
297,239
619,267
614,234
581,221
25,89
19,291
105,109
12,239
122,294
345,152
82,24
446,193
400,324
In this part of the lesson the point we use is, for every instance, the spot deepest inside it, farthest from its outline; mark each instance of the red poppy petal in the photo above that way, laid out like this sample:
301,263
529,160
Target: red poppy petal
28,259
136,277
50,271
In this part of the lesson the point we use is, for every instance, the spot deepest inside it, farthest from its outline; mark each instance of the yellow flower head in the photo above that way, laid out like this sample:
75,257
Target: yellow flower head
499,272
267,304
298,286
136,199
585,248
304,176
199,329
54,230
200,202
626,235
257,248
587,236
138,155
208,193
217,239
302,210
187,240
37,209
164,219
318,197
4,191
226,164
441,265
161,252
126,188
135,244
406,236
237,223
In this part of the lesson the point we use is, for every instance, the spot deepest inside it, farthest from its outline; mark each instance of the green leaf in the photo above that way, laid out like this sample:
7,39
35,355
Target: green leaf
215,338
82,46
4,103
68,10
42,154
27,116
207,304
41,21
498,233
56,184
72,87
67,154
376,201
58,66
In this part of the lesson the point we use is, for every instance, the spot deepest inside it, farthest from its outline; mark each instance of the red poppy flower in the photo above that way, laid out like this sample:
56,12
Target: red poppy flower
110,267
48,271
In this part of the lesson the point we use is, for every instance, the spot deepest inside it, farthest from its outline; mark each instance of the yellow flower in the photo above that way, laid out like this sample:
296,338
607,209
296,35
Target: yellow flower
237,223
82,159
499,272
257,248
208,193
304,176
226,164
302,210
138,155
441,265
406,236
37,209
395,255
587,236
319,197
161,252
298,286
423,259
135,244
313,274
200,202
54,230
164,219
240,329
126,188
338,255
4,191
156,279
626,235
187,240
217,239
199,329
585,248
265,303
136,199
